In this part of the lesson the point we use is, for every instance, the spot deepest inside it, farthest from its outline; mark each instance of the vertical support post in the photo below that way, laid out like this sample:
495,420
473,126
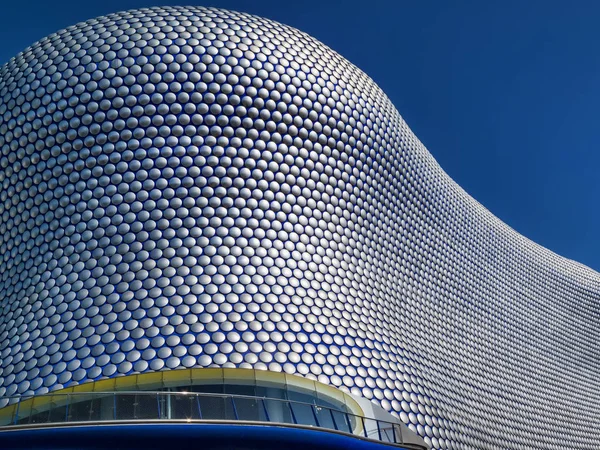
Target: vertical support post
348,423
235,413
292,411
17,411
266,411
169,411
199,409
158,405
335,427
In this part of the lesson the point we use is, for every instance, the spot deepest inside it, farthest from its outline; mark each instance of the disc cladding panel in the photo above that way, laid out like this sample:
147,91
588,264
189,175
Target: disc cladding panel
191,187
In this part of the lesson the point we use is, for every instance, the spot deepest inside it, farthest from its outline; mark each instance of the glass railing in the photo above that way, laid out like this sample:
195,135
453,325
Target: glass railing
188,407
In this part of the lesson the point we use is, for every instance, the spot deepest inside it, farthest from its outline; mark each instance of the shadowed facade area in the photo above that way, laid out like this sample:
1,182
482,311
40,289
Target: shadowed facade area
194,188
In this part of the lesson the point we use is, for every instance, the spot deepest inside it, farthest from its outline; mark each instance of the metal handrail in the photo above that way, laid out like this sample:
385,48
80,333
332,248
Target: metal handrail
19,410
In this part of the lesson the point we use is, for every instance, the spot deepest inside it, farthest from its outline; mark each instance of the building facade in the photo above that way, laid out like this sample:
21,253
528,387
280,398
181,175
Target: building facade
187,188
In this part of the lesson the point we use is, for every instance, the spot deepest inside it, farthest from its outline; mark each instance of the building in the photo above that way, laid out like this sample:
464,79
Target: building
190,192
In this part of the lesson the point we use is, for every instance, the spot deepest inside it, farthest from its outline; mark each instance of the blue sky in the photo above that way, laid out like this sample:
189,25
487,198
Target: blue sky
504,94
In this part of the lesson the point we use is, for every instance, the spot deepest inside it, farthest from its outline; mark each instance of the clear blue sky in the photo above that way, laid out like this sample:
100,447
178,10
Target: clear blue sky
505,94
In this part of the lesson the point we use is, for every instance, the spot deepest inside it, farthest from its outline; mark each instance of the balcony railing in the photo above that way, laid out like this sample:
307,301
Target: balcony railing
77,408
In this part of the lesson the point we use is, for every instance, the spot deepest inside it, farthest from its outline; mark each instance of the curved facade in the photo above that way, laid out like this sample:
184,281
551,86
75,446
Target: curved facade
191,187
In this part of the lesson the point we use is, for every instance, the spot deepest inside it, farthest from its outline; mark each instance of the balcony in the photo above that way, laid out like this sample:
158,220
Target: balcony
115,408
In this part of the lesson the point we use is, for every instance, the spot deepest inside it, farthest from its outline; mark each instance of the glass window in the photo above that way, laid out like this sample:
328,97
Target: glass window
185,406
145,406
216,408
327,419
250,409
279,411
371,428
90,407
304,414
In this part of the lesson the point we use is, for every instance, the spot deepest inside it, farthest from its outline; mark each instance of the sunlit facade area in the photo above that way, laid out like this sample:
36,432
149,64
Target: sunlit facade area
215,228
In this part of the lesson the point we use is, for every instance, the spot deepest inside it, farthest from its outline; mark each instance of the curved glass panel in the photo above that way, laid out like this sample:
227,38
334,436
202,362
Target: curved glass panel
188,406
